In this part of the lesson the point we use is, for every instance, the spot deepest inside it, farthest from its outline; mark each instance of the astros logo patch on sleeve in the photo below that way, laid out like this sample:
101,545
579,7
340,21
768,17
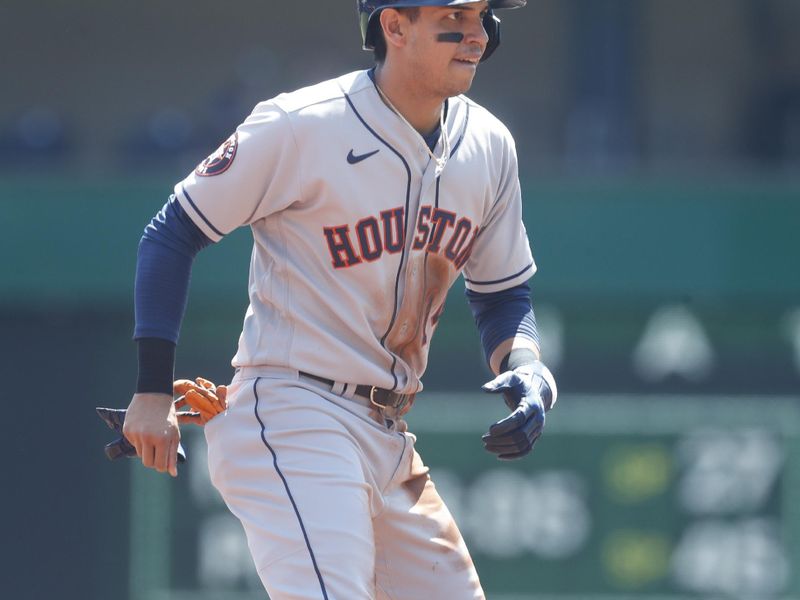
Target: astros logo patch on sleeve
220,160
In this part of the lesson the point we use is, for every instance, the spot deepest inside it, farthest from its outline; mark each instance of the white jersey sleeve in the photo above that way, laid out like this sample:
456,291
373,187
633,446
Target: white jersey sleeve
253,174
501,257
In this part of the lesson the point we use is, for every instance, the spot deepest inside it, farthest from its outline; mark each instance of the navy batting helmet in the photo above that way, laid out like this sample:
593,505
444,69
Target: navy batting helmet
368,11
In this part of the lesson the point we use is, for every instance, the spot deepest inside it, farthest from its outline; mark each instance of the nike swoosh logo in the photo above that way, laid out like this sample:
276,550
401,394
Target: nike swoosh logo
353,159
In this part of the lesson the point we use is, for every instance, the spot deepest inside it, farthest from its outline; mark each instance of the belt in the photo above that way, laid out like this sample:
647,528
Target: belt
378,397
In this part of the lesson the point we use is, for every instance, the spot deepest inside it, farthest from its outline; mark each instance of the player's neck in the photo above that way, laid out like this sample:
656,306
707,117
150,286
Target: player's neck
421,110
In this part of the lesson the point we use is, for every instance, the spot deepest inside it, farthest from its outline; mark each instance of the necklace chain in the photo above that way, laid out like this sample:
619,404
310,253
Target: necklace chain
440,161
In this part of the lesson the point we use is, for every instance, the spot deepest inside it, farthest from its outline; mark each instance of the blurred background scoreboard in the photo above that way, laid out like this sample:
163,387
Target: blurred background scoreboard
647,497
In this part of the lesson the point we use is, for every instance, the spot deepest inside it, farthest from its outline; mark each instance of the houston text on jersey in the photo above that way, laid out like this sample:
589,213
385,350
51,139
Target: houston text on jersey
438,231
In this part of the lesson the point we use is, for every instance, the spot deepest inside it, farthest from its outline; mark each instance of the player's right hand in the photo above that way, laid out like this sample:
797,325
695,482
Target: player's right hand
151,425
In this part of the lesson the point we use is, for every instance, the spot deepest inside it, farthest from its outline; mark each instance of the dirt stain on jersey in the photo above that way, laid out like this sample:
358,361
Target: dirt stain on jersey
428,277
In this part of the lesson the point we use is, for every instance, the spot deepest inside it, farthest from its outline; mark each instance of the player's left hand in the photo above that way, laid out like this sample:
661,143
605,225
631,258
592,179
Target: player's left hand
204,398
529,391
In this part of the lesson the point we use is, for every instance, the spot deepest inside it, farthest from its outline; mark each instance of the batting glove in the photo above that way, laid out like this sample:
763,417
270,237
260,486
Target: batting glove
529,391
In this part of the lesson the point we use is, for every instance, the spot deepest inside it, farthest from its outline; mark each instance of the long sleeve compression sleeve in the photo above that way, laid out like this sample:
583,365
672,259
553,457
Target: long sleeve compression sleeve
163,269
503,315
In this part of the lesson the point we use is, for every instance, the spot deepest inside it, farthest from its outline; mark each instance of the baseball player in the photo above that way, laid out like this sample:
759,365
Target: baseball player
367,196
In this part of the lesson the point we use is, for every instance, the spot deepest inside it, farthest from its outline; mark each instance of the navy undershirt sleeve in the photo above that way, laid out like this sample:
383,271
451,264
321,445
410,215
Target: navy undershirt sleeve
503,315
163,269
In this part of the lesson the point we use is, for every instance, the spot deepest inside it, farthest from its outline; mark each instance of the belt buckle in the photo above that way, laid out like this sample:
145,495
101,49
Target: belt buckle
384,407
387,411
372,400
400,405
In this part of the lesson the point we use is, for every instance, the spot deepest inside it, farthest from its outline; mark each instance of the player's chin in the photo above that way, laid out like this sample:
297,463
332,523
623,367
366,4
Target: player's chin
462,73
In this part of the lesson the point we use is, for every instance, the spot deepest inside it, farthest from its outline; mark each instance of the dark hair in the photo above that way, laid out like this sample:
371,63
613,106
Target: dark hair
379,51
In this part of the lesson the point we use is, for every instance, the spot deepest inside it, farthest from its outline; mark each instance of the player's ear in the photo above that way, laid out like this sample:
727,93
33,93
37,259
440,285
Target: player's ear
393,24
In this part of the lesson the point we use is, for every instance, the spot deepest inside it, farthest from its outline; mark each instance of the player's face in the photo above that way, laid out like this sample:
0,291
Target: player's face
447,67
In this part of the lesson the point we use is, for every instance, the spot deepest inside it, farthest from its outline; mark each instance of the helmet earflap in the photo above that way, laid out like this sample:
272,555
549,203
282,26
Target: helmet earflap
491,24
367,32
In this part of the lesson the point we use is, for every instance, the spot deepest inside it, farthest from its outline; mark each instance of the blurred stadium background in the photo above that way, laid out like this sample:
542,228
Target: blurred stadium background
659,145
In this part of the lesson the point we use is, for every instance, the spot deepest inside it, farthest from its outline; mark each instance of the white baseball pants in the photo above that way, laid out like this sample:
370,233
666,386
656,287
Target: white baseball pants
336,505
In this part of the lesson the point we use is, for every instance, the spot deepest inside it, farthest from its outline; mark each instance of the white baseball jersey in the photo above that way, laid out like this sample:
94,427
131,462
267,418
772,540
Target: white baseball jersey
356,242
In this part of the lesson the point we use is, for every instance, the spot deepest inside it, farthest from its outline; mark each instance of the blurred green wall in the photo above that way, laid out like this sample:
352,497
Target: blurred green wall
626,240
